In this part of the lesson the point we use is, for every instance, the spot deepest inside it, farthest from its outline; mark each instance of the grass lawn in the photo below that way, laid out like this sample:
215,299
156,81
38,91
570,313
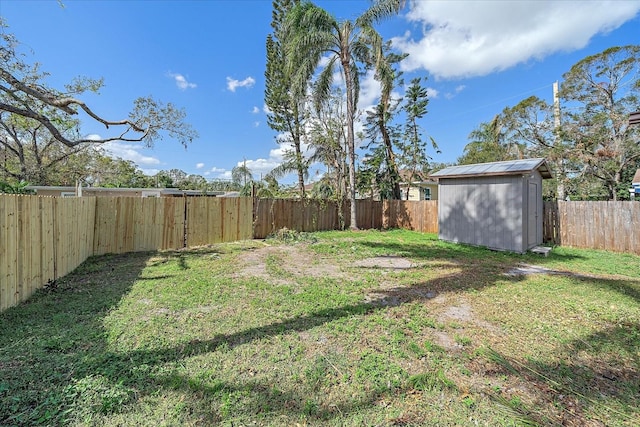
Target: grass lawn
331,329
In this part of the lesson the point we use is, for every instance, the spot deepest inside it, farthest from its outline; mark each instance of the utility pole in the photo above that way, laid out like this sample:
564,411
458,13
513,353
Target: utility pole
556,109
559,161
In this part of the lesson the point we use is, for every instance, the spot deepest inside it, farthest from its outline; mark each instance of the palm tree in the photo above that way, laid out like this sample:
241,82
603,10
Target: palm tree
313,33
292,162
241,174
486,144
387,75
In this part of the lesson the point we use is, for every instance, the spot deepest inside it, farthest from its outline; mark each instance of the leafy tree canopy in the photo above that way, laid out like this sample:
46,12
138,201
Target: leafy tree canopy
25,94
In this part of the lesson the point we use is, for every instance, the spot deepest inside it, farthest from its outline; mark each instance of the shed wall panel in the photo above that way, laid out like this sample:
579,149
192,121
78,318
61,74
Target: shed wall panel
484,211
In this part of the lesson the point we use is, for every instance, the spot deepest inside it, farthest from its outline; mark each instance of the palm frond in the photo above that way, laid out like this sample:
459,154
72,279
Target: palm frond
379,10
322,86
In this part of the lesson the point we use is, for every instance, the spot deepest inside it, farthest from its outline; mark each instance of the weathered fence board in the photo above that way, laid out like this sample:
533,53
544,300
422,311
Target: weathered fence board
270,215
313,215
613,226
411,215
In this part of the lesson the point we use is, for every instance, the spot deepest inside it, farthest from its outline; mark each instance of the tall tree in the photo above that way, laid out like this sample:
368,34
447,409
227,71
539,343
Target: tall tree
24,93
530,129
29,152
312,33
378,124
105,171
413,147
328,141
286,101
602,90
485,144
379,166
241,174
292,162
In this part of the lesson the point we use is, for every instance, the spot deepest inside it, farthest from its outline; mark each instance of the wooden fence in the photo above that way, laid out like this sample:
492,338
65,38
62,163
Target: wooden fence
316,215
41,239
612,226
311,215
411,215
44,238
216,220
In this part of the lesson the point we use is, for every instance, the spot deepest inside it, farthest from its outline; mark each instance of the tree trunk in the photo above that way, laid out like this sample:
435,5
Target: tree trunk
393,168
561,193
299,166
353,223
616,180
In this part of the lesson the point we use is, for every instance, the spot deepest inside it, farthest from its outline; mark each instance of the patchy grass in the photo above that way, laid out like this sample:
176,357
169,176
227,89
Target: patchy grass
339,328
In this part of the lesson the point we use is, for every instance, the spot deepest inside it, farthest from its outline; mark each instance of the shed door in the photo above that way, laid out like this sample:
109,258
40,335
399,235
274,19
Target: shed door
532,215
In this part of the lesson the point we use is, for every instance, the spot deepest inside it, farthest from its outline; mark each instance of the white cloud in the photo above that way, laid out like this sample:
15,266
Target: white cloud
369,91
266,109
255,110
473,38
129,152
324,61
219,173
261,167
182,82
150,172
457,90
233,84
432,93
199,165
256,124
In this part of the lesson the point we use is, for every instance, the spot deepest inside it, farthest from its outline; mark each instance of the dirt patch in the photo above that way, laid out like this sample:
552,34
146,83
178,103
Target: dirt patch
296,260
461,312
464,313
386,262
527,269
445,341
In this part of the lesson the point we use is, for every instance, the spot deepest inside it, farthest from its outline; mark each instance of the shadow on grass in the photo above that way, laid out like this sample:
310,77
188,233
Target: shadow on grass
54,337
598,372
628,288
59,337
456,251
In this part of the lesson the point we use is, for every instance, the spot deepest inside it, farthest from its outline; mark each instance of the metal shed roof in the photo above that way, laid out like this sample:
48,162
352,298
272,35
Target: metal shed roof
509,167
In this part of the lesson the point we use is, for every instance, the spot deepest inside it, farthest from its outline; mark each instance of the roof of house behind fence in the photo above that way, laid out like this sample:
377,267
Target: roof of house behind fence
509,167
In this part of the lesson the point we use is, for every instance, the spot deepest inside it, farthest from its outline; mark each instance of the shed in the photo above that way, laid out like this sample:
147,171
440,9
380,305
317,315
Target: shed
497,205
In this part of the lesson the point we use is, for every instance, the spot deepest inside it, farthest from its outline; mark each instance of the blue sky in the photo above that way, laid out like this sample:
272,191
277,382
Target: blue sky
208,57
